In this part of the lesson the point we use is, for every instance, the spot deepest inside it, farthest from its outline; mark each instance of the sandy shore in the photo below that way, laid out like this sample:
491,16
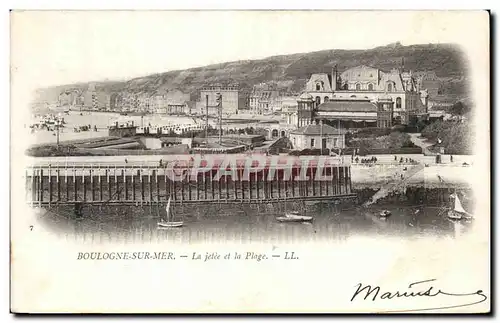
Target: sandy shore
432,176
103,119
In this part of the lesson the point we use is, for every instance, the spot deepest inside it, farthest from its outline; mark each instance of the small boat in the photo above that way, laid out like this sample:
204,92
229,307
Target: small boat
294,216
458,212
385,213
169,223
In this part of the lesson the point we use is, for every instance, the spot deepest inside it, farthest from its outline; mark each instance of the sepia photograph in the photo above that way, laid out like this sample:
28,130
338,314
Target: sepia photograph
250,162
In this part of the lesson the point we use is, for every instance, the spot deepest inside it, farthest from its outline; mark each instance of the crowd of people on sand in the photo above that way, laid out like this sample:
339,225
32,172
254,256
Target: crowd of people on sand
373,160
366,160
397,160
49,122
405,160
84,128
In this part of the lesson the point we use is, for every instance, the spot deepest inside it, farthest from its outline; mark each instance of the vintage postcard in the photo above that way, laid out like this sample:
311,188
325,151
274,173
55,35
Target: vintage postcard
250,162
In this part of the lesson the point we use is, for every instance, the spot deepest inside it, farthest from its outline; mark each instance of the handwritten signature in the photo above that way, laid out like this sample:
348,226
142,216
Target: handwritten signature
425,291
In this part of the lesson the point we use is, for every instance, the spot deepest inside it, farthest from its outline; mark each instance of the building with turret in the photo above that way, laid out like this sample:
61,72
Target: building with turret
305,110
358,86
385,111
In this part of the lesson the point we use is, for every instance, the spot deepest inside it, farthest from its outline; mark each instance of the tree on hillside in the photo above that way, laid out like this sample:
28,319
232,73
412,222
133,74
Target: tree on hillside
456,136
459,108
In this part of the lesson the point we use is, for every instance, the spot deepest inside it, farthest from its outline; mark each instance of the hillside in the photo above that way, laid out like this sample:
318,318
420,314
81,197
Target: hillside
292,71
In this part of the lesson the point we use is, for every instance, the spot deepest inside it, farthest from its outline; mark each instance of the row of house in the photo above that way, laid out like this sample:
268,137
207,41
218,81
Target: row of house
265,98
268,98
409,91
173,102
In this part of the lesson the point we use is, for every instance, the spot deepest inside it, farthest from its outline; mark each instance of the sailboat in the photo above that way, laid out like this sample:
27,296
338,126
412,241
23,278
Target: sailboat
169,223
458,212
293,216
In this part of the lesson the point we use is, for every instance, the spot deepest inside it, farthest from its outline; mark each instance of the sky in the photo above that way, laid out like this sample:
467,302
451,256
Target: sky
57,47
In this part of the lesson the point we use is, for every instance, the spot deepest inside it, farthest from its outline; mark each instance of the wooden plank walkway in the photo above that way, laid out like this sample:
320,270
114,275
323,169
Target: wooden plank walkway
154,185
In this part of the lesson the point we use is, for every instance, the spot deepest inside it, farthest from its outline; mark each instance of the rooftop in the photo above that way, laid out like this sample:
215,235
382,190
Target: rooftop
316,129
306,96
347,106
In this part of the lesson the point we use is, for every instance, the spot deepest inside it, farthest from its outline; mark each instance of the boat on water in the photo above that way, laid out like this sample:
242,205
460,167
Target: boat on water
294,216
169,223
385,213
457,212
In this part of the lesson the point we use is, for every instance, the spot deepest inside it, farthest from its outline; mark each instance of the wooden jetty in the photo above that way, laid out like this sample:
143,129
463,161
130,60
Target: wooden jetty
147,185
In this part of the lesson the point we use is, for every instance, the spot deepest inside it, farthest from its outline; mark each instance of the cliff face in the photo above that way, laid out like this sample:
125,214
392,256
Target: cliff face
291,71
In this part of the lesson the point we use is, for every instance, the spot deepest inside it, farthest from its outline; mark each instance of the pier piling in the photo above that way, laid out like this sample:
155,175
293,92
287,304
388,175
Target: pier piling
104,187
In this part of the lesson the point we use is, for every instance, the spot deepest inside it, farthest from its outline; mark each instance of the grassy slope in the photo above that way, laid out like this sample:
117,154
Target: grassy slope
292,71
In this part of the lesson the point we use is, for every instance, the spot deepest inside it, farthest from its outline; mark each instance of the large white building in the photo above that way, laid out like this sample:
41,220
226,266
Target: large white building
232,99
368,83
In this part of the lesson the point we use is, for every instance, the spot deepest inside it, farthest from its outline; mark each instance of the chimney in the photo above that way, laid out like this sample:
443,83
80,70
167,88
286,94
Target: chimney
334,78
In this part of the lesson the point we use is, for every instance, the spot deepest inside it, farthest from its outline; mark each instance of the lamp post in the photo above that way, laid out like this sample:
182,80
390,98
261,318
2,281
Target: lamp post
321,136
206,122
218,98
58,125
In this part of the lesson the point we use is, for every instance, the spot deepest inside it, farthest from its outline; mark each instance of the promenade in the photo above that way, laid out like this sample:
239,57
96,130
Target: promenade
363,175
153,160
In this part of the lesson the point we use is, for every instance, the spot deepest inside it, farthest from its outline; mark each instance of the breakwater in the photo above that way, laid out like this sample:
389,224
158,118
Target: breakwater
185,184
